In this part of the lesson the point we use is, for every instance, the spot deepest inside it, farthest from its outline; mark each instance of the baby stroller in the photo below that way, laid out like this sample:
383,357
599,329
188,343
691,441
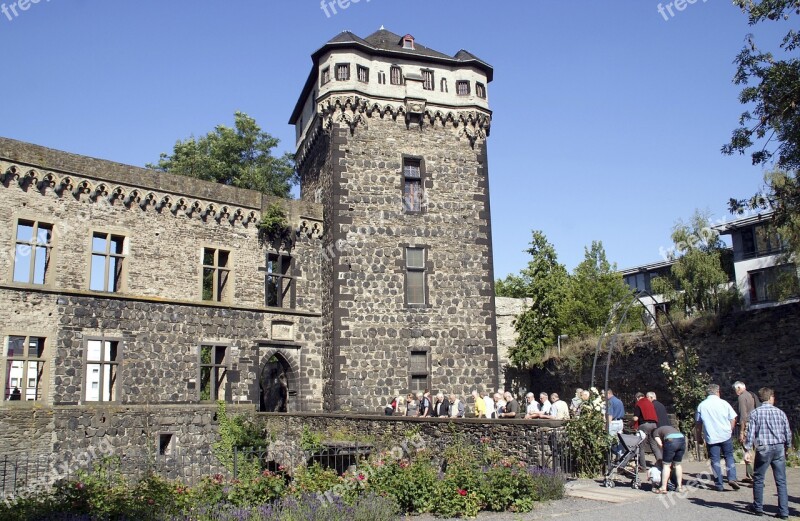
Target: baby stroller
622,454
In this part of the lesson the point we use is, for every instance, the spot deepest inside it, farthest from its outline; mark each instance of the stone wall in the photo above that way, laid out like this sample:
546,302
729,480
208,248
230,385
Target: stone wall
44,444
759,347
374,330
531,441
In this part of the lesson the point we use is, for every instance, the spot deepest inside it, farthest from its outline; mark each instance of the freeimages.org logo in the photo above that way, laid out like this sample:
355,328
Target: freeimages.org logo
13,10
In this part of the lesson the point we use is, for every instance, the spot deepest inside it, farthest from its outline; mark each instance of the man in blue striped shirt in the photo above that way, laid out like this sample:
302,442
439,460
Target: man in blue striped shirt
769,433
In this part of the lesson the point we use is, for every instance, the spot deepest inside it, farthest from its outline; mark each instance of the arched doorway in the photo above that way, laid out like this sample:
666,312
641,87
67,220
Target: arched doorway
274,385
278,385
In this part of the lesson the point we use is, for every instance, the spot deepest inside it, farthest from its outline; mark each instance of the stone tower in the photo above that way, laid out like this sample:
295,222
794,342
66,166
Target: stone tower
391,139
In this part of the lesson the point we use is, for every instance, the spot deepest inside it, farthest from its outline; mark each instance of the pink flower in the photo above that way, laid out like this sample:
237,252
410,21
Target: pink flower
462,492
361,477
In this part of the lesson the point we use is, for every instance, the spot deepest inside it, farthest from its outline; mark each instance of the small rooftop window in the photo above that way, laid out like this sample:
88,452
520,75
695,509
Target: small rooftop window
408,42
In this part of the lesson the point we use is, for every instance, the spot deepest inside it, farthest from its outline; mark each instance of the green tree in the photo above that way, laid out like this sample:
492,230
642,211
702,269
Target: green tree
544,281
241,156
594,288
770,130
780,195
698,274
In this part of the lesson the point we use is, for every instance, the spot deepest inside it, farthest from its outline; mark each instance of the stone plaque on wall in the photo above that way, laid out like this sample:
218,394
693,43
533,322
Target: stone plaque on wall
282,331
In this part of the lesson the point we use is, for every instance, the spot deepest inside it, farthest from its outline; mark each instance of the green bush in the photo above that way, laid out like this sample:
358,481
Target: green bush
314,478
588,438
508,486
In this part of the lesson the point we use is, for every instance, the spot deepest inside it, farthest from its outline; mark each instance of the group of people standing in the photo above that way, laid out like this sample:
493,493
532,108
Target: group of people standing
765,436
501,404
763,431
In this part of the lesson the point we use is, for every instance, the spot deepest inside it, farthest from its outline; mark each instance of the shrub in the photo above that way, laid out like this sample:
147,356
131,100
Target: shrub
314,478
508,486
547,485
588,438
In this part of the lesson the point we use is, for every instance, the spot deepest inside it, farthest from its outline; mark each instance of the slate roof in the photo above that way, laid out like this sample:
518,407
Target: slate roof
387,43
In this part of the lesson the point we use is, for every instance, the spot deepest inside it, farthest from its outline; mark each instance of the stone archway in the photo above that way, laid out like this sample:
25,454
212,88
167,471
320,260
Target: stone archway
278,384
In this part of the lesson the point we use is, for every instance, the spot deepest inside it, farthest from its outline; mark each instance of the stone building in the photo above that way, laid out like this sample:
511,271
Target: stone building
391,140
124,289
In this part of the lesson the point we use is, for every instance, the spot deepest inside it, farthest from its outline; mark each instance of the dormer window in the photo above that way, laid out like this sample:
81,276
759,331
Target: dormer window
408,42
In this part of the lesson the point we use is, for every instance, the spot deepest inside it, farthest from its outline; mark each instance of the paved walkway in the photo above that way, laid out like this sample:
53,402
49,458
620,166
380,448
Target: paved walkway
589,500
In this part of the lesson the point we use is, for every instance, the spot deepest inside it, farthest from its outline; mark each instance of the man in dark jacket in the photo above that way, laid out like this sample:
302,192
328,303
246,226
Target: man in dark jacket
661,411
441,409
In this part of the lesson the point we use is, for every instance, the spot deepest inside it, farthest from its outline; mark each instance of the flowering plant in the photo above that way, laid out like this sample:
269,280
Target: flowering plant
688,387
587,436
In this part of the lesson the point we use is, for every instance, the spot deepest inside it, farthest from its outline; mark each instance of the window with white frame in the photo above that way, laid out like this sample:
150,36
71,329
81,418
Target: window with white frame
462,88
32,251
24,368
103,357
342,71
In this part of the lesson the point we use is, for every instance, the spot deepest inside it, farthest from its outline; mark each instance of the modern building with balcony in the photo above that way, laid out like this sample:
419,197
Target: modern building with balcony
765,272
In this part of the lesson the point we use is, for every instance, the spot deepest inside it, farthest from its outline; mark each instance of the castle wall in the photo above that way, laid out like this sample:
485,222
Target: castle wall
159,316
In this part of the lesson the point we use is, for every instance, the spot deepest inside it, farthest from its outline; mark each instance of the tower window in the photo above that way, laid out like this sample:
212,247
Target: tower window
462,88
342,71
418,373
415,276
325,76
480,90
427,79
363,74
381,78
396,75
443,84
412,185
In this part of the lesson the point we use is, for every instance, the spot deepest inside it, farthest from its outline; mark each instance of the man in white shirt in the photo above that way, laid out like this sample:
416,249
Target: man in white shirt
715,419
546,405
489,404
532,408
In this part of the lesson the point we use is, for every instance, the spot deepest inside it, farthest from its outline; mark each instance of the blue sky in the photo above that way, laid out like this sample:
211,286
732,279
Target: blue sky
608,118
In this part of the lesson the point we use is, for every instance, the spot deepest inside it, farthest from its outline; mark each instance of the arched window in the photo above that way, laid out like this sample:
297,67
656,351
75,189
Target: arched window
444,84
396,75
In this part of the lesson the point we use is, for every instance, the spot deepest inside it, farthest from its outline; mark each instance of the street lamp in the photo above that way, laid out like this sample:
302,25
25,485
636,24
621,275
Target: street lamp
559,341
